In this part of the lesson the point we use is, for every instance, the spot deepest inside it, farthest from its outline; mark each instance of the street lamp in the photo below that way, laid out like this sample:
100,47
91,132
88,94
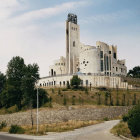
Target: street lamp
37,106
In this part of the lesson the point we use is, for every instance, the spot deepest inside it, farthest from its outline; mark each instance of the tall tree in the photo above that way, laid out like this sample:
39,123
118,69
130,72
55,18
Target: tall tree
28,82
15,74
135,72
2,81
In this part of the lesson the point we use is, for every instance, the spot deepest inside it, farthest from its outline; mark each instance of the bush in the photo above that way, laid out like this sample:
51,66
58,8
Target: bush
3,124
106,119
125,118
134,120
15,129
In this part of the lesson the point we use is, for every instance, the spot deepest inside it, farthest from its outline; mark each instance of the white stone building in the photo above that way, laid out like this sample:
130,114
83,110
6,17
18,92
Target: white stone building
96,65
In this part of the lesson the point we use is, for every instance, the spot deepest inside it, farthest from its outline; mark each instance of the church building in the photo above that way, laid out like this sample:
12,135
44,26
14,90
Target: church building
96,65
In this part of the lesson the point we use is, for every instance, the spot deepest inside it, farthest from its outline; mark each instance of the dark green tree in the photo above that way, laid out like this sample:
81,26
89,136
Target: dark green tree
133,120
135,72
75,82
2,81
15,74
28,83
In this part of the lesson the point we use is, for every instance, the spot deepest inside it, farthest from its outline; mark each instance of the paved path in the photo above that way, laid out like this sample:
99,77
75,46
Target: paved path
94,132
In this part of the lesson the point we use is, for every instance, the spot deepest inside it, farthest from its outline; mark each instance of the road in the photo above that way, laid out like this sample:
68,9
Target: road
94,132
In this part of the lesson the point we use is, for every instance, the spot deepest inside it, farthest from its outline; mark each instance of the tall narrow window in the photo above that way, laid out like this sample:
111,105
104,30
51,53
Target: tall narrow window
102,67
73,43
101,54
107,63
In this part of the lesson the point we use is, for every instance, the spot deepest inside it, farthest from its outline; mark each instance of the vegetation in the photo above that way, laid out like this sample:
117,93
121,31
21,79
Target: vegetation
17,87
3,124
130,126
15,129
121,129
134,120
75,82
135,72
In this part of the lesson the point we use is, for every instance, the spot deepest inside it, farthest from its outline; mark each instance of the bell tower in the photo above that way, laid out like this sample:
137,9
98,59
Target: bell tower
72,43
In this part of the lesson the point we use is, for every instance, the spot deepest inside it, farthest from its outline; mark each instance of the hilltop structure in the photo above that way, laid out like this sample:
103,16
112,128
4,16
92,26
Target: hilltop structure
96,65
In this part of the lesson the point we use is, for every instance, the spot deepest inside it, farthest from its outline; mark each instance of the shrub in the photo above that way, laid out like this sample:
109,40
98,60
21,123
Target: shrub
106,119
125,118
64,89
15,129
75,82
3,124
134,120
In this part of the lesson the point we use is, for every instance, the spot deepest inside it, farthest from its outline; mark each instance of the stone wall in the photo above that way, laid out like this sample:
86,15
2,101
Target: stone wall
55,115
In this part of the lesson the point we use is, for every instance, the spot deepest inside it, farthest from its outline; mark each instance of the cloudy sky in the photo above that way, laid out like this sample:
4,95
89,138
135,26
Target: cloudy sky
35,29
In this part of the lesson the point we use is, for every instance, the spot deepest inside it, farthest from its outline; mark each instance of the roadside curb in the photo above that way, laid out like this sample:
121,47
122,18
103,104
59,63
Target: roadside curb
125,138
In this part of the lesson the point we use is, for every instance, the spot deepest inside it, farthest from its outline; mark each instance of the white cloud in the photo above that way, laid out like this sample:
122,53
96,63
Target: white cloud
47,12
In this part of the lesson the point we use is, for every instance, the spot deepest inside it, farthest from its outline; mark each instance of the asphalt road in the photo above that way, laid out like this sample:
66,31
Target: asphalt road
94,132
4,137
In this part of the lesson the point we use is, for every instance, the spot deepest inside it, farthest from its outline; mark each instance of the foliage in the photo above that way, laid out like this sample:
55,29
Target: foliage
125,118
15,129
135,72
75,82
3,124
2,81
15,73
134,120
19,88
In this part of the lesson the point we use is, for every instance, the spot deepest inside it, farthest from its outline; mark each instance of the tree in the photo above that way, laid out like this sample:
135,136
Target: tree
135,72
15,74
75,82
107,94
133,120
2,81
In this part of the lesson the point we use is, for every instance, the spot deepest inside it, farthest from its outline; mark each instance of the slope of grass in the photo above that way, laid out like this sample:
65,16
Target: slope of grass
122,129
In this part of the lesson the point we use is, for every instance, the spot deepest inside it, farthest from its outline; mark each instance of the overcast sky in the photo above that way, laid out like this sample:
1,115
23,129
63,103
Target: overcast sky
35,29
